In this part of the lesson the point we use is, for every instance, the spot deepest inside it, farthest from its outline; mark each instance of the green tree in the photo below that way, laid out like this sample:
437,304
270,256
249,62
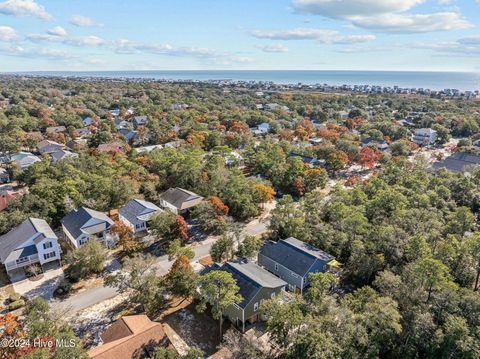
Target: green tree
219,290
181,278
86,260
250,247
222,249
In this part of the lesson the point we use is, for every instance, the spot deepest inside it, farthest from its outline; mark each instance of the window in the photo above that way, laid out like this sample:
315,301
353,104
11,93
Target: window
22,260
82,241
276,266
255,306
272,295
47,245
49,255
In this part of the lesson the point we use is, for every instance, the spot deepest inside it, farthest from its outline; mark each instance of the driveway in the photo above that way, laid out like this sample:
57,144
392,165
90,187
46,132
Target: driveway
43,287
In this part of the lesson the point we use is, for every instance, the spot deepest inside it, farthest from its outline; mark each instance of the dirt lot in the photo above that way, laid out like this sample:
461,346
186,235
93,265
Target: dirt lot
196,329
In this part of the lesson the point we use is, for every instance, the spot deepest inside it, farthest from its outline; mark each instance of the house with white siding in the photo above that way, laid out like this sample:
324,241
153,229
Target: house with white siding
136,214
32,242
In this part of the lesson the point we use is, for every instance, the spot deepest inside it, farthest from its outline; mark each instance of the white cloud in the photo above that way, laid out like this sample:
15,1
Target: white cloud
346,8
272,47
85,41
24,8
57,31
320,35
467,46
7,34
389,16
418,23
82,21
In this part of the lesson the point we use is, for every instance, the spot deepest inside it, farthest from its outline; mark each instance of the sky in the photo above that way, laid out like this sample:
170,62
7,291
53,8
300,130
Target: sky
99,35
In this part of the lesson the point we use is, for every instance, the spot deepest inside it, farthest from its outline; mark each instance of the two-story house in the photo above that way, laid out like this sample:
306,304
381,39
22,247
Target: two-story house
80,225
293,260
30,243
256,285
179,200
136,214
424,136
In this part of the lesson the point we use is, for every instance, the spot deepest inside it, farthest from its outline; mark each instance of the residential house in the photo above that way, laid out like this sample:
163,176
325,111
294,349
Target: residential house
140,121
134,336
380,145
315,141
256,285
47,147
111,147
115,112
4,176
424,136
83,132
23,160
7,195
179,200
56,129
130,136
59,155
77,144
461,162
80,225
308,160
121,123
147,149
30,243
87,121
264,127
293,260
136,214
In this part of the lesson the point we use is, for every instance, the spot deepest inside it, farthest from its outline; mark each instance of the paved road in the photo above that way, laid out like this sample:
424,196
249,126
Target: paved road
92,296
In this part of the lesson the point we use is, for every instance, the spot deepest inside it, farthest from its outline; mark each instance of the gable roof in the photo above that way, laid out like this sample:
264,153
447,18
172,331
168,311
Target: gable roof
458,162
138,210
251,278
128,337
35,228
76,220
179,198
294,254
58,155
47,146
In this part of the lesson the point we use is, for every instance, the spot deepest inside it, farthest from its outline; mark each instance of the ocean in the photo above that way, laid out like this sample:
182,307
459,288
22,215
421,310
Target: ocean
405,79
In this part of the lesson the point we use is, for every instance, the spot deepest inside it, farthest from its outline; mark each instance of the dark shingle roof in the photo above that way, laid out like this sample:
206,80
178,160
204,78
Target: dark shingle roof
137,208
295,255
458,162
77,218
251,278
30,228
178,196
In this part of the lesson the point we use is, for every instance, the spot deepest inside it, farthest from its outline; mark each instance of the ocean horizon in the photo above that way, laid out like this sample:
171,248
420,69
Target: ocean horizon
434,80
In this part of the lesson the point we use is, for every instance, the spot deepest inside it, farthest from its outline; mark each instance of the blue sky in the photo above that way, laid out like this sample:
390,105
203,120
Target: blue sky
434,35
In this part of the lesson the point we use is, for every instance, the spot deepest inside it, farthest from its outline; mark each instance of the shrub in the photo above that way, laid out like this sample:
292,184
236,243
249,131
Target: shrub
16,304
62,288
14,297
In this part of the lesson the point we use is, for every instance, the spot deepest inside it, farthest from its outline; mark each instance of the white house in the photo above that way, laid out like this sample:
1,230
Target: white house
32,242
136,214
80,225
179,200
424,136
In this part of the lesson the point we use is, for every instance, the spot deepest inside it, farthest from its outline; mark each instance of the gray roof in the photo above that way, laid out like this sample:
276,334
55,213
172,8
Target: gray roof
58,155
35,228
251,278
458,162
294,254
179,196
76,220
137,210
47,146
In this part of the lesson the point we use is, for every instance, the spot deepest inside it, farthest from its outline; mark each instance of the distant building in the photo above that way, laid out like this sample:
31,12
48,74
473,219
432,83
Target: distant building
134,336
23,160
111,147
80,225
47,147
308,160
4,176
293,260
56,129
59,155
30,243
424,136
461,162
380,145
137,213
7,195
140,121
179,200
146,149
